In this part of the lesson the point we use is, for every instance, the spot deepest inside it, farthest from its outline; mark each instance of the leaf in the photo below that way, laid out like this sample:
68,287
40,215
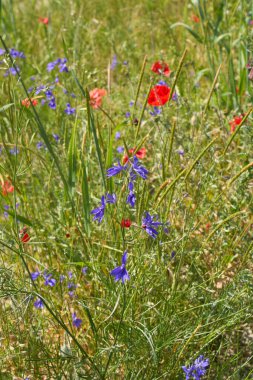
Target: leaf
4,108
190,30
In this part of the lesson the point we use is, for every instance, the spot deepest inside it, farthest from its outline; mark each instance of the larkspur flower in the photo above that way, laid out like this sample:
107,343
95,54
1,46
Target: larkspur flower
12,71
196,370
120,149
114,62
131,199
16,54
128,114
100,211
39,304
35,275
116,169
14,151
156,111
84,270
76,321
111,198
140,170
56,137
120,273
69,110
117,135
40,145
49,281
150,223
6,207
71,286
52,103
62,278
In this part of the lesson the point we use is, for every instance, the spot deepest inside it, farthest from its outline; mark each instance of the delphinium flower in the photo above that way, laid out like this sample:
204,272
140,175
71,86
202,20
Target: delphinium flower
69,110
76,321
12,71
128,114
139,169
96,95
158,95
131,199
35,275
40,145
114,62
84,270
49,281
117,135
120,149
60,62
39,304
116,169
150,223
100,211
62,278
161,68
7,187
120,273
16,54
14,151
196,370
156,111
6,207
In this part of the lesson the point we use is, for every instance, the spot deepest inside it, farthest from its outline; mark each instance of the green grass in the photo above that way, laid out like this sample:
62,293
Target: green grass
172,309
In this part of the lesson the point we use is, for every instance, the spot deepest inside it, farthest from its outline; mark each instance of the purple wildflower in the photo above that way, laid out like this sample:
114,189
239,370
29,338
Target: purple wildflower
84,270
40,145
180,152
175,97
16,54
140,170
62,278
56,137
111,198
128,114
117,135
120,149
70,274
2,51
71,286
12,71
196,370
76,321
149,223
131,199
100,211
69,110
120,273
114,62
114,170
156,111
35,275
14,151
39,304
52,103
49,281
131,103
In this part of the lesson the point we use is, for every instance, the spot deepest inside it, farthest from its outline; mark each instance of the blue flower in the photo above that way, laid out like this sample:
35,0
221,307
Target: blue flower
131,199
69,110
120,149
128,114
16,54
76,321
14,151
12,71
149,223
156,111
140,170
120,273
84,270
117,135
56,137
114,62
100,211
39,304
35,275
196,370
114,170
111,198
40,145
49,281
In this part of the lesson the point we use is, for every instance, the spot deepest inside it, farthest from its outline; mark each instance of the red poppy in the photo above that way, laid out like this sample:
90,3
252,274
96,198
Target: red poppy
26,102
7,187
43,20
195,18
126,223
235,122
24,236
139,154
159,95
161,68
